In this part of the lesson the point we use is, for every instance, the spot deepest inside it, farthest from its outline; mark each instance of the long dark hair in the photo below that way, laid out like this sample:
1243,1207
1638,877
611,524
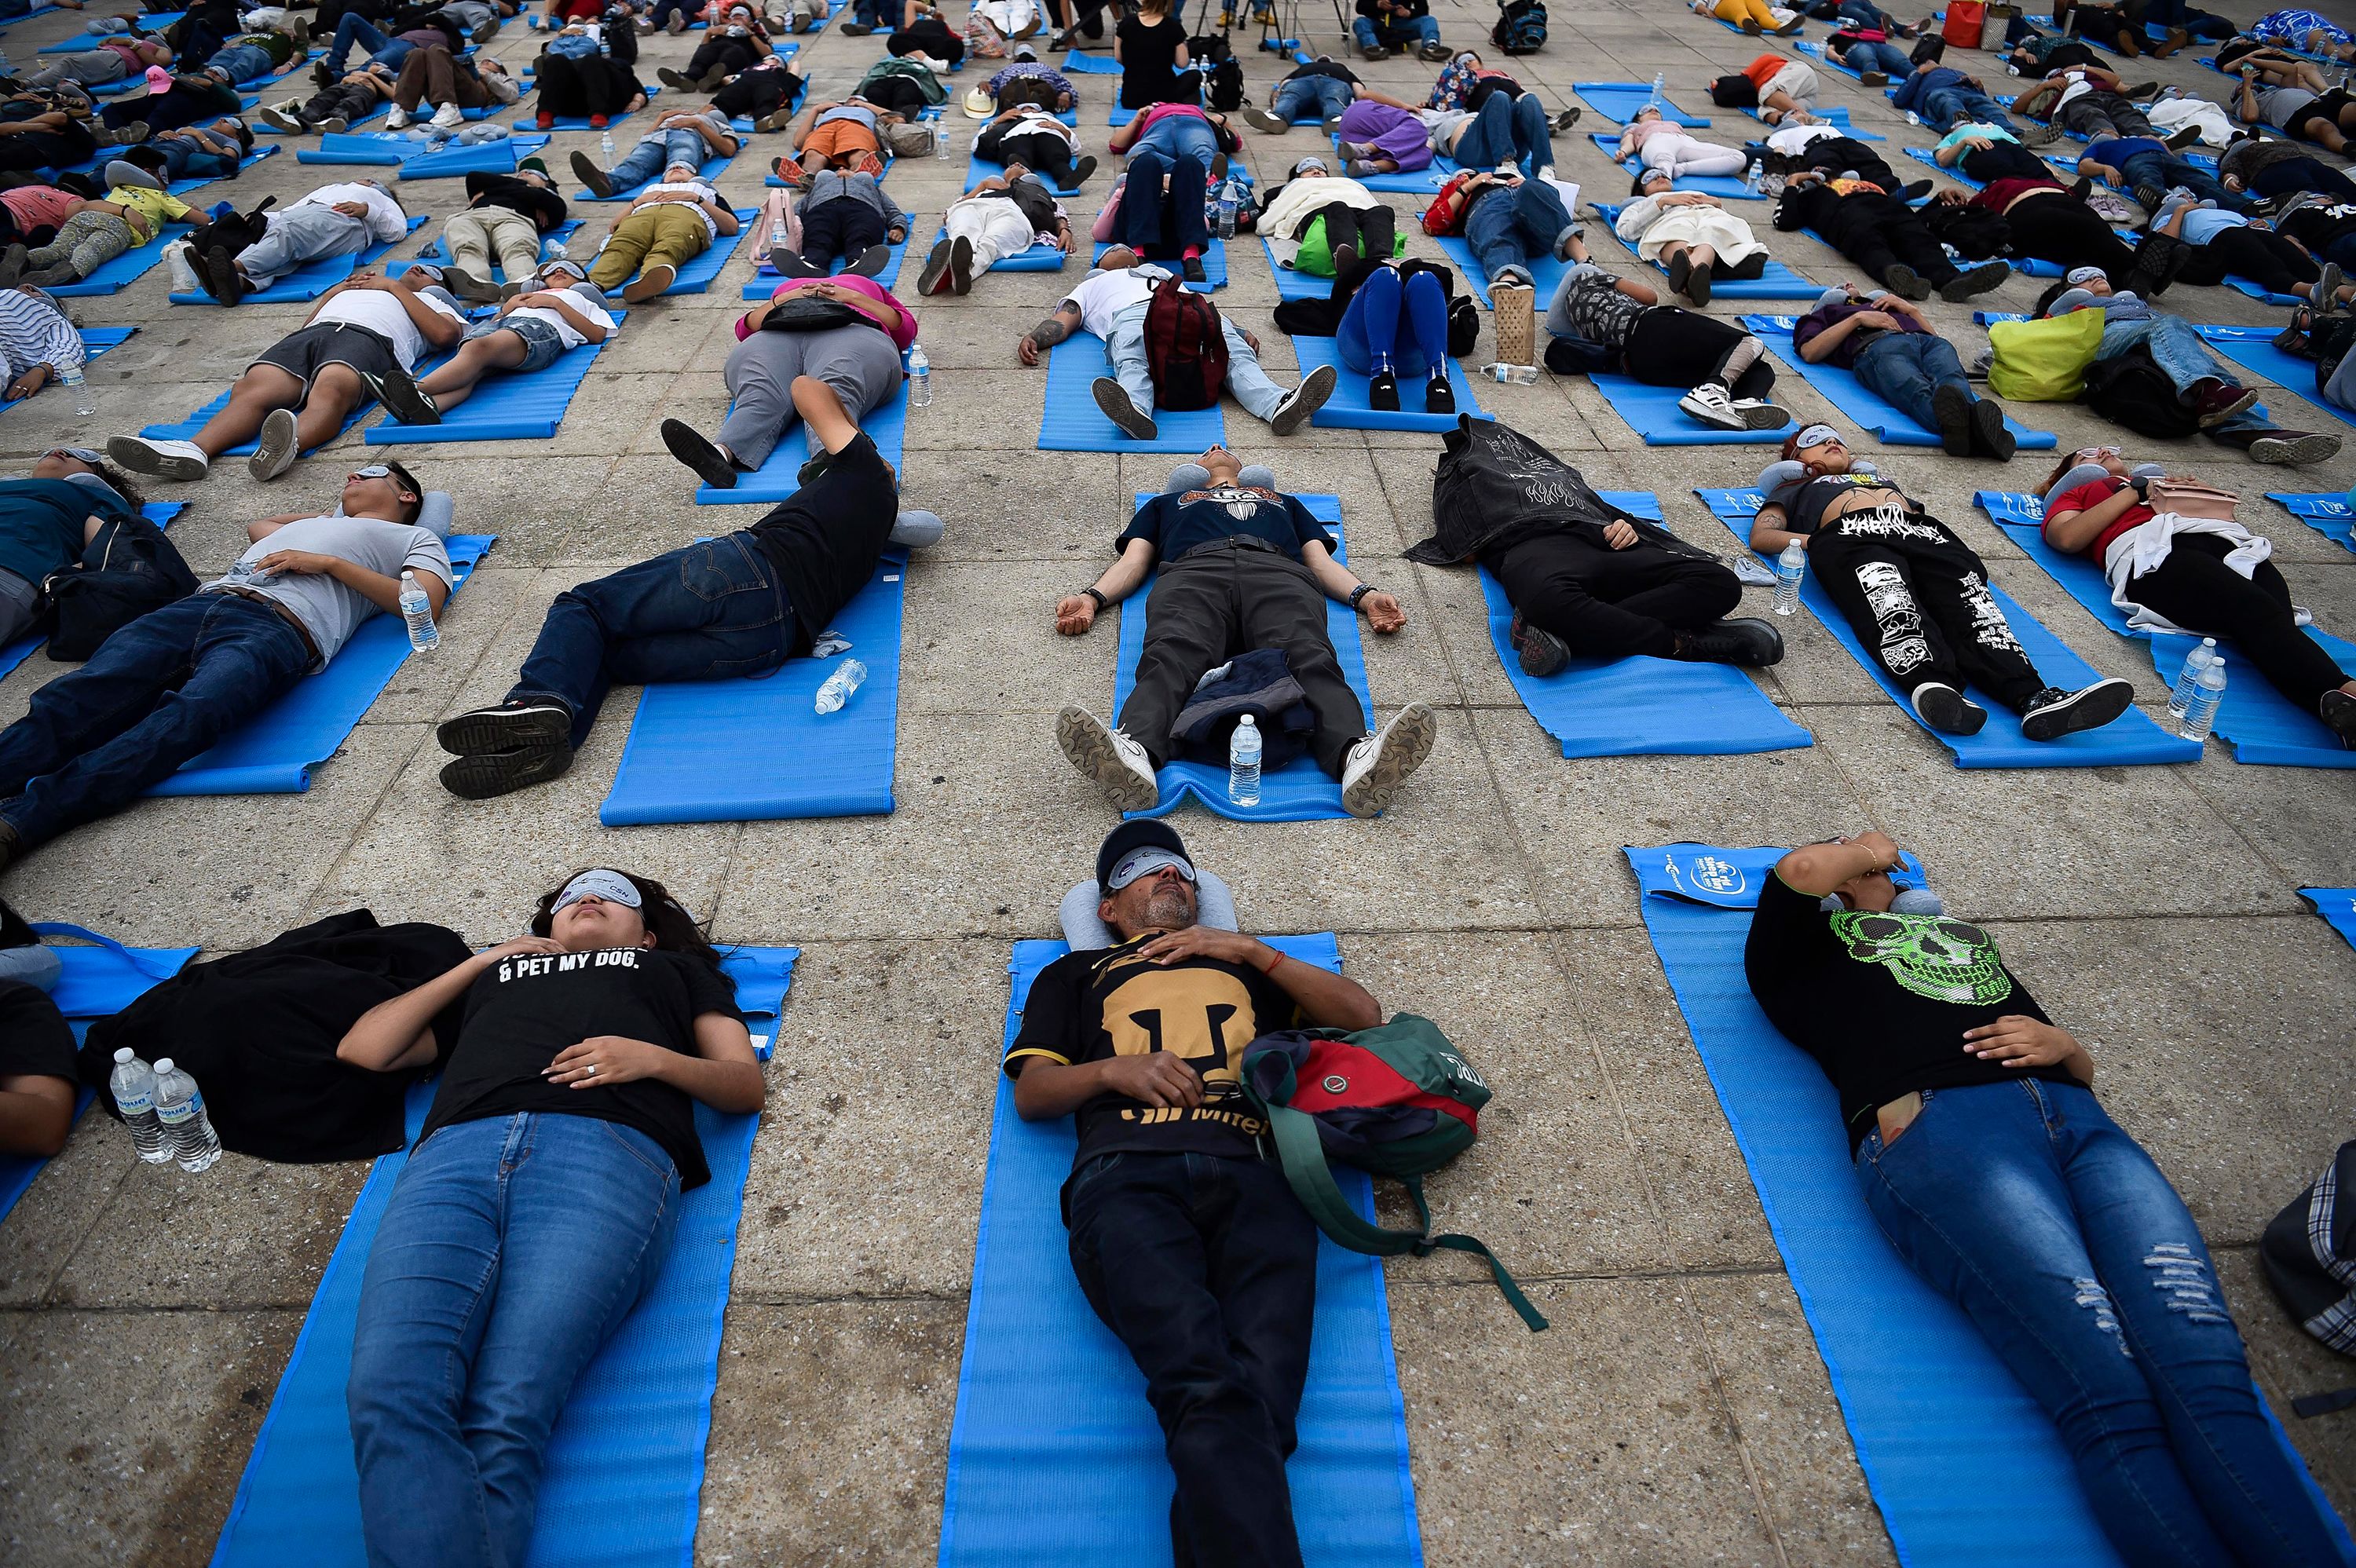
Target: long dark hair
675,930
2045,301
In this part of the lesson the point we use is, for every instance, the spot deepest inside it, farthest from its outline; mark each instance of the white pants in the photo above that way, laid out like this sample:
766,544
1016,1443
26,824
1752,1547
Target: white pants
996,226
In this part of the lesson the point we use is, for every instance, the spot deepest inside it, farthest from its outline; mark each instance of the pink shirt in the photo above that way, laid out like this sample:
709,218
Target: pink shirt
39,205
1160,111
902,335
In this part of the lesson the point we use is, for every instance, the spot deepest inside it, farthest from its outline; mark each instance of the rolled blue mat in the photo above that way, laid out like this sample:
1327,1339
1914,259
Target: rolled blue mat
1046,1393
1870,411
1071,422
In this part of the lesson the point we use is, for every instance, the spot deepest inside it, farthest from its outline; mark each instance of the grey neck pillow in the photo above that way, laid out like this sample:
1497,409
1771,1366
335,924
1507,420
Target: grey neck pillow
1193,476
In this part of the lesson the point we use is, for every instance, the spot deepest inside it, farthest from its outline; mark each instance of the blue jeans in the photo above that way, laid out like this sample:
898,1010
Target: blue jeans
2178,350
1161,220
1406,34
1889,58
1945,108
510,1251
661,14
876,15
713,611
1906,368
1371,331
186,160
1507,131
2166,169
1506,230
244,62
2027,1206
1246,382
158,692
656,153
1206,1268
1319,98
1178,136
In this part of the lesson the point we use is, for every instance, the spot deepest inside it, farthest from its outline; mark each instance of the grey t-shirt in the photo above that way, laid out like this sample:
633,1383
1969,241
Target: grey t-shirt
330,611
2277,105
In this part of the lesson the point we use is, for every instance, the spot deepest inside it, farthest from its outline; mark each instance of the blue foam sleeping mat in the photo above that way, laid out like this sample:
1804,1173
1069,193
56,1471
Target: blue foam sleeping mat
1619,101
504,406
1214,258
688,757
623,1469
1292,283
95,982
779,477
764,279
1725,188
2326,515
2262,724
1045,1392
2253,348
1546,271
160,512
1425,181
2337,906
1071,422
1777,281
1038,259
95,341
2130,739
1867,409
274,751
310,280
1301,791
1080,62
1348,408
1639,707
1922,1396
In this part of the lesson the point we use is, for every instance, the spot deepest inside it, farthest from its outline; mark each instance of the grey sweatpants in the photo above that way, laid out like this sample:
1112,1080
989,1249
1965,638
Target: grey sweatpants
858,362
1227,598
305,232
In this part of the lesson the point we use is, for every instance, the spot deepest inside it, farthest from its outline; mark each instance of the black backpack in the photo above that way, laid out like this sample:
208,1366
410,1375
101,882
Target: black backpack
233,231
1521,27
2309,1257
1223,74
128,570
2131,391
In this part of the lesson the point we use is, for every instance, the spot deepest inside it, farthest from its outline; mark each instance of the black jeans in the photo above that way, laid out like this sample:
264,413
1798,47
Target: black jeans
2290,174
1879,233
2260,255
1670,346
757,93
2098,114
1840,155
2003,161
838,230
2054,225
730,54
1919,600
1226,599
1046,154
2195,589
1374,231
1607,603
1207,1267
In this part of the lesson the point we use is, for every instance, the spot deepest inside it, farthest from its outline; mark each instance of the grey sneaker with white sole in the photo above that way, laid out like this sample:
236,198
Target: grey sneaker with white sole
1378,764
1117,765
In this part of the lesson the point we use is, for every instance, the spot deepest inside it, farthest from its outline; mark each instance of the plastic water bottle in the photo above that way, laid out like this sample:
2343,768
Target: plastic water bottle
417,611
2200,711
606,145
554,251
1660,84
1912,117
180,1106
777,237
1791,568
1227,203
2180,696
920,377
1502,373
846,679
132,1083
941,141
72,379
1751,176
1243,763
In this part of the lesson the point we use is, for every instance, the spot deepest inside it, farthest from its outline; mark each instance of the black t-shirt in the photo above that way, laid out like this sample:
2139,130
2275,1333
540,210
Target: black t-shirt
824,539
2319,228
1092,1007
1150,53
542,205
1489,87
35,1038
1882,1002
521,1013
1334,69
1175,524
1401,13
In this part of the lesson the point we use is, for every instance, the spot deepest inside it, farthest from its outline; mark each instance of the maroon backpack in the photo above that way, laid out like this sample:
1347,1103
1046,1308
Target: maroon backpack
1186,350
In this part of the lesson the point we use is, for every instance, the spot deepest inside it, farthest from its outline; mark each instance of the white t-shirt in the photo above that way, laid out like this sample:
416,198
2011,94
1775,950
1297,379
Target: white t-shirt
380,310
386,221
1035,119
1104,295
1793,139
572,335
330,611
690,192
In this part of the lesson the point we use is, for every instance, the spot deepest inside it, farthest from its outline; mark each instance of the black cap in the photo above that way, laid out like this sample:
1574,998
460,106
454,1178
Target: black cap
1141,833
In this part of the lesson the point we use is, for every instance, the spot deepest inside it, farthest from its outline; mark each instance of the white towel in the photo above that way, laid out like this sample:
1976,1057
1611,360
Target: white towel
2145,546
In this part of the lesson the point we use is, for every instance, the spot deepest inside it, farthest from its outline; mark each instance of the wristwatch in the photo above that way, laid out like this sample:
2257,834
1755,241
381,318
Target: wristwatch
1360,591
1102,602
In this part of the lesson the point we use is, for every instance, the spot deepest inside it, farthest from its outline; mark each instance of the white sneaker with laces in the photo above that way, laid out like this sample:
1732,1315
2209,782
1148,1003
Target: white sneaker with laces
165,458
1758,414
1378,764
1117,764
449,117
1711,405
396,118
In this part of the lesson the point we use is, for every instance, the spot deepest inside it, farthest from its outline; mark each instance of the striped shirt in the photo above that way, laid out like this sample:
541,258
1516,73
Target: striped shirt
35,332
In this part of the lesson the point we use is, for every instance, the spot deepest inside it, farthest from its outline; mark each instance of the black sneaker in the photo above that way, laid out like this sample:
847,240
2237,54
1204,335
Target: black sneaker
1680,271
1192,268
1082,167
506,727
484,775
1991,436
1976,281
1303,400
595,178
870,261
1951,410
1947,710
1698,282
1904,281
818,465
1439,396
937,269
221,278
1113,398
1382,392
1748,642
960,265
2148,196
2053,712
688,444
398,390
2337,711
790,264
1910,193
1541,654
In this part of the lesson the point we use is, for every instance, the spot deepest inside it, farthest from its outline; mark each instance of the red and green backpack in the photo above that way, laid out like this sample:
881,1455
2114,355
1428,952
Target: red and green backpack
1397,1099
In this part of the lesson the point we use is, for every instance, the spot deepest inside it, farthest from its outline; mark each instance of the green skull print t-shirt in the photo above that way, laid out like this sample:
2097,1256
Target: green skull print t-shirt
1882,1002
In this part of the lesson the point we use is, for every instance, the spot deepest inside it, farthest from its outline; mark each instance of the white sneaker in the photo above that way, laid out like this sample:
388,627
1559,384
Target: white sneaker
1711,405
396,118
1378,764
449,117
913,529
166,459
1117,764
275,446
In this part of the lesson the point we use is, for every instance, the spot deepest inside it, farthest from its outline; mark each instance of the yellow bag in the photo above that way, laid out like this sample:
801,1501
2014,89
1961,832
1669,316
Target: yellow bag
2044,361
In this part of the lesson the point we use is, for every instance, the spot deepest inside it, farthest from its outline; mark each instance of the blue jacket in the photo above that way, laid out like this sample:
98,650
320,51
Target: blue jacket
1909,91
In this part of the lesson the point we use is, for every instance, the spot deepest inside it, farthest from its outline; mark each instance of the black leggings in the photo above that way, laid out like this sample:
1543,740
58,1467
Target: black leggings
1918,598
594,85
2289,175
2097,115
1047,154
2195,589
2056,227
2003,161
1607,603
928,38
2260,255
1879,233
840,230
1371,231
1673,347
901,95
724,52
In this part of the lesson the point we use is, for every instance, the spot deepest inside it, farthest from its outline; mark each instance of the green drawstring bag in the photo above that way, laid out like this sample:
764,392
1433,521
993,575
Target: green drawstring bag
1316,258
2044,361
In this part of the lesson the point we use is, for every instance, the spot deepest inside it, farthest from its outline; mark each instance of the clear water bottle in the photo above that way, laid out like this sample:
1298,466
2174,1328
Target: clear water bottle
2207,692
180,1106
942,140
1660,85
920,377
1229,200
1912,117
2180,696
555,251
847,678
1791,568
132,1083
1752,175
606,145
1500,372
76,383
417,612
777,246
1243,763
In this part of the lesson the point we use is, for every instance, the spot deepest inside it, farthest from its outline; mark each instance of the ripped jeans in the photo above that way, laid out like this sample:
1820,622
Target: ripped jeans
2026,1205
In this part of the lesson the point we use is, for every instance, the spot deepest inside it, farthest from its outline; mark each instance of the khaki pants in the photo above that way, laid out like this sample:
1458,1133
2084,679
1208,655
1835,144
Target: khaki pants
663,235
477,234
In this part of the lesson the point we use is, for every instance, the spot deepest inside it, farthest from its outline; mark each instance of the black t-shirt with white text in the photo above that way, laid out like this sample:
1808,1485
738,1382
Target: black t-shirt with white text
1881,1001
1094,1005
523,1011
1187,519
35,1038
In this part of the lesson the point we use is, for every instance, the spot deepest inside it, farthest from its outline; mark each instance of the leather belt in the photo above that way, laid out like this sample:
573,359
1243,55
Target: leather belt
284,614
